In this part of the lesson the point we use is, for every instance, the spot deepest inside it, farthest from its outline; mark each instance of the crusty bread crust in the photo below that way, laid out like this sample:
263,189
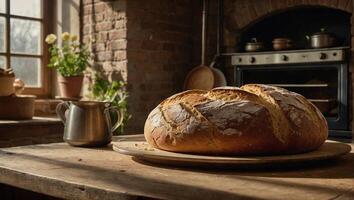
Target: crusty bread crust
252,120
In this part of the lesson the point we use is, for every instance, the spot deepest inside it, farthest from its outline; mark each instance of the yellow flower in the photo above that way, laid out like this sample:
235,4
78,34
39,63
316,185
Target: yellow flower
50,39
74,38
65,36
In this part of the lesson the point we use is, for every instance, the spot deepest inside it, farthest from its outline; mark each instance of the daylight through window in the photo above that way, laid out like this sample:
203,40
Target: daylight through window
21,39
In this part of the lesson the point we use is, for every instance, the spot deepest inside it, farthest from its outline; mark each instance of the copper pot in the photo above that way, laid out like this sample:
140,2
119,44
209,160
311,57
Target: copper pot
282,44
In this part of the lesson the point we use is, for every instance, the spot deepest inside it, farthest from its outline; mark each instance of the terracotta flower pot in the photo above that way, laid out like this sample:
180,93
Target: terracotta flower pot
70,86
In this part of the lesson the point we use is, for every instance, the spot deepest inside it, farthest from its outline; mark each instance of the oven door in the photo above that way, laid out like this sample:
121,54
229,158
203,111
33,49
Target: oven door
325,85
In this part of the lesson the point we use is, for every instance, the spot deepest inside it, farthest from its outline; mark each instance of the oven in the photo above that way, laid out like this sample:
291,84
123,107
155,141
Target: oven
319,75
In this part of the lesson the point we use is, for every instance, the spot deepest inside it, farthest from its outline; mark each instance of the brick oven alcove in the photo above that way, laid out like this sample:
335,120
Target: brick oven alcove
267,20
298,24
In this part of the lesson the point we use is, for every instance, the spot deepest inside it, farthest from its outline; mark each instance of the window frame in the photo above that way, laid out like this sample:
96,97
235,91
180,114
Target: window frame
46,24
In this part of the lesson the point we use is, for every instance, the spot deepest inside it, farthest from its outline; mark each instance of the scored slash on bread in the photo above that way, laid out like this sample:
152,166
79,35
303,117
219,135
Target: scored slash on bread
252,120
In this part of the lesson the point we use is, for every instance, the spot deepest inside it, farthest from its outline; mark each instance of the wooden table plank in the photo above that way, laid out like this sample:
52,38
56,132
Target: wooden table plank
85,173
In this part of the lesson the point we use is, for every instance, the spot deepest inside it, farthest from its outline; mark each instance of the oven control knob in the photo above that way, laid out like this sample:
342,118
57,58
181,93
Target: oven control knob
284,58
323,56
252,59
239,59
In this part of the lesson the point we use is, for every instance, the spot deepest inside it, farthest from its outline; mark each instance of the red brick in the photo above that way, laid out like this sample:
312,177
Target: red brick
87,19
117,34
120,55
87,29
104,26
102,36
98,17
119,45
107,67
104,56
120,24
100,47
119,66
87,9
100,7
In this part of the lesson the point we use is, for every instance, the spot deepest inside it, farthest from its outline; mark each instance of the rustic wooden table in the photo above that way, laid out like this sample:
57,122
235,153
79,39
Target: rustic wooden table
85,173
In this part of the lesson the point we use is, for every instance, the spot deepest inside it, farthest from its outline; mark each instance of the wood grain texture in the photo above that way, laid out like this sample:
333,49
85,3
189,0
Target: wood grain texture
85,173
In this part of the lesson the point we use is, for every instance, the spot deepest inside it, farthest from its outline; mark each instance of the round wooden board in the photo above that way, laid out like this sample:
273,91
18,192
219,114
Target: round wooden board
219,78
138,148
200,77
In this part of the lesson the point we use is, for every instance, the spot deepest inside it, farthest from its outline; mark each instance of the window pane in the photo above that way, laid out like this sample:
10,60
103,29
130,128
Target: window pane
28,70
2,34
2,6
2,62
25,36
28,8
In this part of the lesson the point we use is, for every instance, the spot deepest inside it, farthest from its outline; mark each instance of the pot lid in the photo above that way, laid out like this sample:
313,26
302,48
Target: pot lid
254,41
322,32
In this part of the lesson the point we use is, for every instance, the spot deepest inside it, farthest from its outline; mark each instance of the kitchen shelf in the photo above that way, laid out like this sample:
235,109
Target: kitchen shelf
300,85
321,100
271,51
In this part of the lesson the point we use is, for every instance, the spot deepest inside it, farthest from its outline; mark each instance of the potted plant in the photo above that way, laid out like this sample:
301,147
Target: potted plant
115,93
70,59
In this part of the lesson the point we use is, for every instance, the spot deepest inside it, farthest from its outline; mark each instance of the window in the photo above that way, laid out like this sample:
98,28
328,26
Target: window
23,25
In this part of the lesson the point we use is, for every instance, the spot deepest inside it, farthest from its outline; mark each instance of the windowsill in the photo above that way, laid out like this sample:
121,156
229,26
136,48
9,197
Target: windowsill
44,115
45,107
34,121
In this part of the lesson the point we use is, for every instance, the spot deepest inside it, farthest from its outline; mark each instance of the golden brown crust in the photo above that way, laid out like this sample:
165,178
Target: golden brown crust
307,126
256,119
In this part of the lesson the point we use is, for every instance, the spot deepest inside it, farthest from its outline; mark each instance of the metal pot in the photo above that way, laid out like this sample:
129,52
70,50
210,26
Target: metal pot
282,44
88,123
322,40
254,45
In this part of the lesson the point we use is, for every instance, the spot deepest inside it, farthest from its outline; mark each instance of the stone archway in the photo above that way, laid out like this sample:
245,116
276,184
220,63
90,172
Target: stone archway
242,13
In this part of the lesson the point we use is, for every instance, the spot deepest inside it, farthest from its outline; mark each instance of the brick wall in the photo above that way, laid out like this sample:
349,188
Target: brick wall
104,30
160,38
149,44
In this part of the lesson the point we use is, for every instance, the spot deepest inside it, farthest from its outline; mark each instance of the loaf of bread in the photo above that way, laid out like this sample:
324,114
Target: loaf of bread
252,120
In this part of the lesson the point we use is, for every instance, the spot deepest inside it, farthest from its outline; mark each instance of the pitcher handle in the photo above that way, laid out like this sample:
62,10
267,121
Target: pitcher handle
61,109
109,119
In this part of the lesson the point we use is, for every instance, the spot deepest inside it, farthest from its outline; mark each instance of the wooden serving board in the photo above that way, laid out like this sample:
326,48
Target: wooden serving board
138,148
